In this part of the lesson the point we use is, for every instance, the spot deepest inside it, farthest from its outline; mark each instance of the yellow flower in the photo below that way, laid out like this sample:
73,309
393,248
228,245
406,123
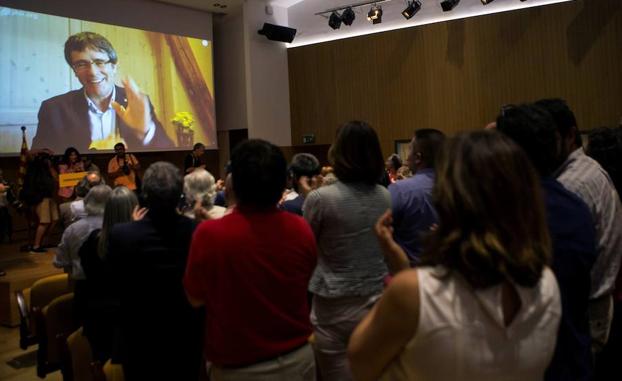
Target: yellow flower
183,119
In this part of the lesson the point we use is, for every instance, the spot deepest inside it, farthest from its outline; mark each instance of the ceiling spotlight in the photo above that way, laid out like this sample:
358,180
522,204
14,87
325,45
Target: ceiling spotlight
375,14
334,21
412,9
347,16
448,5
489,1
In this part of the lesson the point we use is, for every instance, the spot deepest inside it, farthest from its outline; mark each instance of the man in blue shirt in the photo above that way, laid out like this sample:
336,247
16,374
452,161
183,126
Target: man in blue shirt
411,199
572,235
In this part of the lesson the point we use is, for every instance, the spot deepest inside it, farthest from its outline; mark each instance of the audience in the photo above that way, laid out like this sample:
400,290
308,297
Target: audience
572,235
74,236
160,331
303,165
97,305
250,269
38,194
123,168
193,161
411,199
482,305
605,146
392,165
199,193
72,211
349,276
71,163
290,288
583,176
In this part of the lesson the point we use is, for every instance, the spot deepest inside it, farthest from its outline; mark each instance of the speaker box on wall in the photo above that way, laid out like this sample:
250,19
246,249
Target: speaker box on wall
277,32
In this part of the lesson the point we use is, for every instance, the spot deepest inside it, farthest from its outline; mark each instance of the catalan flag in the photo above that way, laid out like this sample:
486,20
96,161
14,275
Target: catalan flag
23,161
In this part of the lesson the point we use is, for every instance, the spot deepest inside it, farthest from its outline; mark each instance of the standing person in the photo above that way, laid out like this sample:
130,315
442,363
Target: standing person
100,113
194,159
572,235
250,269
393,163
349,276
302,165
199,194
583,176
97,305
123,167
71,163
411,199
38,193
161,333
482,305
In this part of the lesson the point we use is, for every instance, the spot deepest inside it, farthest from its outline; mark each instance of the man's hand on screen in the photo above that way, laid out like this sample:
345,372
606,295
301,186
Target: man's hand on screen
137,114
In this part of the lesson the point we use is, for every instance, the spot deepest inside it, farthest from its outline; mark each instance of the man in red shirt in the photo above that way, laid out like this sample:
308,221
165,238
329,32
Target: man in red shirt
251,269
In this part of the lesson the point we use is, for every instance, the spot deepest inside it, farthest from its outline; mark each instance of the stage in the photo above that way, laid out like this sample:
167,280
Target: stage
22,270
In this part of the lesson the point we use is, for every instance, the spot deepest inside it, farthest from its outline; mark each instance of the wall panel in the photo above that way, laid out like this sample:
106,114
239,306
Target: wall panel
455,75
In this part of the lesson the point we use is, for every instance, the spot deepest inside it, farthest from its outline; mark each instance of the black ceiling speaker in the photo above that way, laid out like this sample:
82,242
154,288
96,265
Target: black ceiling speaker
277,32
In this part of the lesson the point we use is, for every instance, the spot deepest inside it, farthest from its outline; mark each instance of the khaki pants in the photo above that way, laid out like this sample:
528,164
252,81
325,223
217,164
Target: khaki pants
298,365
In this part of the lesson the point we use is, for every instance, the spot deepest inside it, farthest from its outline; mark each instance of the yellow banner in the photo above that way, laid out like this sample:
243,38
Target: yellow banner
70,179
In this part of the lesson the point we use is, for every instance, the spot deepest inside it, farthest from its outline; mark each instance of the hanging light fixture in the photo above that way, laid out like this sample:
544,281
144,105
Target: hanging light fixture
375,14
412,9
348,16
334,21
448,5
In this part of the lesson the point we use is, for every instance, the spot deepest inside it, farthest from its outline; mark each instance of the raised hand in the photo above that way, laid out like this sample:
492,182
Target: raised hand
137,114
139,213
395,257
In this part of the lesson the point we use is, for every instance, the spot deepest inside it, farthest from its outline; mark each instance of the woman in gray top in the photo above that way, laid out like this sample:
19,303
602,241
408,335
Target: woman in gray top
349,275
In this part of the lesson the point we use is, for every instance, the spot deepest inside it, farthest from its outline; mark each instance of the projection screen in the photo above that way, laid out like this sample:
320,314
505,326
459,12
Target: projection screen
66,100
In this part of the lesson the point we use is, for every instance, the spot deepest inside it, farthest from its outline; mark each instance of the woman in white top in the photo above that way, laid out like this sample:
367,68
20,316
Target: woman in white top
483,305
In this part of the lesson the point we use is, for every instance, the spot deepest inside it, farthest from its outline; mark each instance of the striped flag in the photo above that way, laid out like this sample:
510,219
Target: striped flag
23,161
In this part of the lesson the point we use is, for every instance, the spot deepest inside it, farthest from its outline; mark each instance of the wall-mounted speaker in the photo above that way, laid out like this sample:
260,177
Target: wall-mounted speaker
277,32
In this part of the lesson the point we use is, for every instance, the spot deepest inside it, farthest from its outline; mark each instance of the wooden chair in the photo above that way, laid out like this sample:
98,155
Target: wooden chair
31,301
54,324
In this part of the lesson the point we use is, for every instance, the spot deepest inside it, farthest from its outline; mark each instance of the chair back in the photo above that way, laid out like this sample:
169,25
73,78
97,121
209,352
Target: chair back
55,322
81,356
113,372
46,289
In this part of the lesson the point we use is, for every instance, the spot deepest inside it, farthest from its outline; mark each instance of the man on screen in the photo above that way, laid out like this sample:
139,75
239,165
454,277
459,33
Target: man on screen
99,114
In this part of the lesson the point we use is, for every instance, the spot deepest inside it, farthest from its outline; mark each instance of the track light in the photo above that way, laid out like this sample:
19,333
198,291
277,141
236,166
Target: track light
375,14
484,2
348,16
334,21
412,9
448,5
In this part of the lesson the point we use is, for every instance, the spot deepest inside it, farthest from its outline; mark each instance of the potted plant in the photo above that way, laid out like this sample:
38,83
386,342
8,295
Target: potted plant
184,127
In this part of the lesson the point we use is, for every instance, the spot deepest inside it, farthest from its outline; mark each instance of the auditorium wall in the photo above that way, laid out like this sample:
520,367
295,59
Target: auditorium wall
454,76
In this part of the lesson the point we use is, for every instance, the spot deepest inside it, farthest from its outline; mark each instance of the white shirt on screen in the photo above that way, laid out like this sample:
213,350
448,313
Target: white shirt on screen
102,124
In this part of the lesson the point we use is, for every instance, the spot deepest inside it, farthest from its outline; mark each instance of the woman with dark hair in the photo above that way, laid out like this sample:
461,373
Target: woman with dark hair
392,165
483,305
94,299
71,163
349,276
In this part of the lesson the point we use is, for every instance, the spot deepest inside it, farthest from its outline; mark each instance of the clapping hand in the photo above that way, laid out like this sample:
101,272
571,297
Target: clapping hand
137,114
139,213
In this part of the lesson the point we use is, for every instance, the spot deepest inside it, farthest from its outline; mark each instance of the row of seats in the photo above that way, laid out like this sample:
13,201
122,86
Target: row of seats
46,319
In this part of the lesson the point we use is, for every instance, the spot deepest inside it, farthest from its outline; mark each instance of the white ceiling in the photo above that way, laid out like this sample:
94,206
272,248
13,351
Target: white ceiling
312,29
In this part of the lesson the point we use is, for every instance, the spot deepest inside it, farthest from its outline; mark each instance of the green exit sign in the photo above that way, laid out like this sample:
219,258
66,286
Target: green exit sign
308,139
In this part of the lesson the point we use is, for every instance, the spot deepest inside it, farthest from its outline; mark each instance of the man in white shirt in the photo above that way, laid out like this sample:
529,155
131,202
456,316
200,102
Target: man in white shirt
112,113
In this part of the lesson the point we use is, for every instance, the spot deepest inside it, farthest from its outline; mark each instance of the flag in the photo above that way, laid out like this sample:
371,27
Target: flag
23,161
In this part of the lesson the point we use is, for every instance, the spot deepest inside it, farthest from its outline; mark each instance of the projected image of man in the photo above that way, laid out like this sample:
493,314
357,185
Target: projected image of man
100,114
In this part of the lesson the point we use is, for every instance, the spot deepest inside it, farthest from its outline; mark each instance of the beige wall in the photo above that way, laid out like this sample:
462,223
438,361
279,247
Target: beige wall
454,76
